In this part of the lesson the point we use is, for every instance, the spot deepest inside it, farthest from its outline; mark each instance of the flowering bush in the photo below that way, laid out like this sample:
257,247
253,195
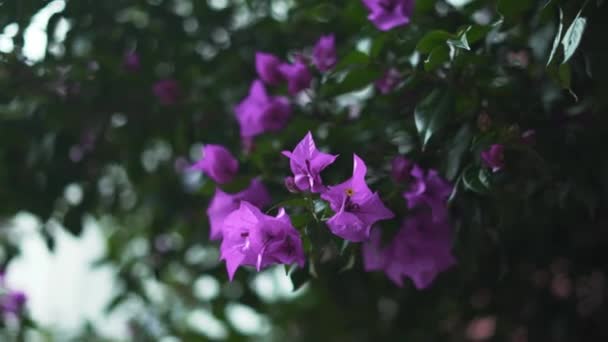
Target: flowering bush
421,170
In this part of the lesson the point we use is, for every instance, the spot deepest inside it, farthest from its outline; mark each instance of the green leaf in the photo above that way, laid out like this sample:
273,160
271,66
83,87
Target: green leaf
350,263
477,32
377,45
457,147
565,79
484,178
354,80
431,114
355,57
572,37
565,76
558,36
473,181
433,39
513,10
462,41
437,57
299,277
345,244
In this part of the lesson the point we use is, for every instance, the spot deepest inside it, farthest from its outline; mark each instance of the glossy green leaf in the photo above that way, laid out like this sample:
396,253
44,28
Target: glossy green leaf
431,114
572,37
432,40
456,150
558,36
437,57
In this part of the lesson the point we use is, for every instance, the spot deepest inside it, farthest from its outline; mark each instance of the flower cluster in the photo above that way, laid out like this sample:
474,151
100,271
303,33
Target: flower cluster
422,247
250,237
356,207
261,112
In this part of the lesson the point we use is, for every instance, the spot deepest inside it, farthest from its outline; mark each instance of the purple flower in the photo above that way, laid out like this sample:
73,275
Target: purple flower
356,207
388,14
131,61
428,190
389,81
494,157
324,53
223,204
167,91
267,66
306,163
254,239
297,75
420,250
217,163
401,168
12,302
259,112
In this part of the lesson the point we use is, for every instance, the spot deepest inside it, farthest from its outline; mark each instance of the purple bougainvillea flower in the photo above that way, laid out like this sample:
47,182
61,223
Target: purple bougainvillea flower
306,163
389,81
131,61
324,53
167,91
494,157
217,163
401,168
297,75
267,66
259,112
388,14
420,250
254,239
223,204
428,190
357,207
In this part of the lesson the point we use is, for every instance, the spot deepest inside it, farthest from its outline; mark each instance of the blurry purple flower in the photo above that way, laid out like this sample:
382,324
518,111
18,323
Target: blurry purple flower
306,163
267,66
259,112
561,286
167,91
131,61
528,137
12,302
401,168
389,81
494,157
420,251
217,163
324,53
388,14
356,207
223,204
428,189
254,239
297,75
481,329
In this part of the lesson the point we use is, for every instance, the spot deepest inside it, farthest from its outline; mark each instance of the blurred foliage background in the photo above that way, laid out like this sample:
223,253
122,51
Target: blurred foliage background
84,141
